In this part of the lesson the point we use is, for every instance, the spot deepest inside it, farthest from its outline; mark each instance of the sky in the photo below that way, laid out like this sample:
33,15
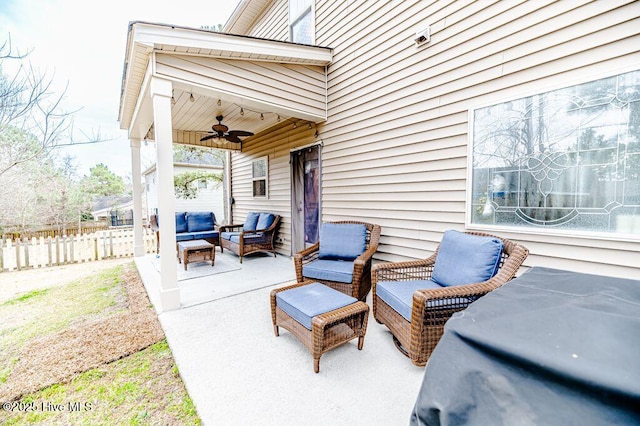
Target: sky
81,44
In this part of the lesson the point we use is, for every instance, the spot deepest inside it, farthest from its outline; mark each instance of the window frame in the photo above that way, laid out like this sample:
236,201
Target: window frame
542,231
311,9
264,159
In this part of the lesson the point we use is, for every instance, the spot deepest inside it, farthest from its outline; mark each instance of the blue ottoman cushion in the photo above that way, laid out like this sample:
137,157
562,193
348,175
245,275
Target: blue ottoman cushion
305,302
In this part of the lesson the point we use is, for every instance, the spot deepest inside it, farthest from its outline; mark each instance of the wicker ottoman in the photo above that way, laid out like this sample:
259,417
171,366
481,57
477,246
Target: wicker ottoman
196,251
320,317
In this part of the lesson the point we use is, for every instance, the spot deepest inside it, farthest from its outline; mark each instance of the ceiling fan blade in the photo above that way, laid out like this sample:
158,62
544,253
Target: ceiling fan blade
206,138
219,128
237,133
232,138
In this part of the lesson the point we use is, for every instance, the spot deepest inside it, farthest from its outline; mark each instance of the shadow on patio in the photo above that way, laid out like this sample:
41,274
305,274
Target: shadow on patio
237,372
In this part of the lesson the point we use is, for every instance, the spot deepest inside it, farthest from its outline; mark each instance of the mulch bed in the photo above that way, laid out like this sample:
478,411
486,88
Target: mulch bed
59,357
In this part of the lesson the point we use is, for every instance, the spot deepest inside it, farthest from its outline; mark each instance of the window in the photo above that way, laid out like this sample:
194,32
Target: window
566,160
301,25
259,175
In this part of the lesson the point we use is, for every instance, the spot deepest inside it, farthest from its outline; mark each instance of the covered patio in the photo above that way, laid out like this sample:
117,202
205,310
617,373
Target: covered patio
179,82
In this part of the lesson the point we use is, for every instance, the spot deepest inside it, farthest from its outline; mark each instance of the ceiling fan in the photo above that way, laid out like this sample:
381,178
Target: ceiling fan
220,131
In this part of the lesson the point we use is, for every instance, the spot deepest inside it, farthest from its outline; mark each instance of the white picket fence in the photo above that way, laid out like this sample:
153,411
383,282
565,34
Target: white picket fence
40,252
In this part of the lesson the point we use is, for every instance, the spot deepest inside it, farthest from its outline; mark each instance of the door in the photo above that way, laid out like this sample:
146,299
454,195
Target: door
305,197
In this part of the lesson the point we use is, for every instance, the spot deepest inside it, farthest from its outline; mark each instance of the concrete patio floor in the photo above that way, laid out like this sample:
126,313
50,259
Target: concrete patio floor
238,373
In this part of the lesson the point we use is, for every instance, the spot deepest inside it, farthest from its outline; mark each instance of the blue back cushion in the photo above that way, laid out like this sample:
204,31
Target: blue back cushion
342,241
181,222
265,220
200,221
251,221
466,259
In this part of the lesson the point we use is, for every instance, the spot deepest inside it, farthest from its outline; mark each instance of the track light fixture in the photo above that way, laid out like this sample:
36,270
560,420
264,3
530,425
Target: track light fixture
261,116
191,98
219,102
241,111
295,125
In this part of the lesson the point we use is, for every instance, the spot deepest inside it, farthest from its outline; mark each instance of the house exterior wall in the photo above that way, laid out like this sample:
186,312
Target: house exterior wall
208,199
396,139
275,144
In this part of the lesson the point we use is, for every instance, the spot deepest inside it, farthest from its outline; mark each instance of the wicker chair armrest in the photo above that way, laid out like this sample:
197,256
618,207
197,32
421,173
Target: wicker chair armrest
337,316
308,254
404,271
228,228
303,257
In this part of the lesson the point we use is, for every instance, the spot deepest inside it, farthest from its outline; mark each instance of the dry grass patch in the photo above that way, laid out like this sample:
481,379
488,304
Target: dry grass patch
58,346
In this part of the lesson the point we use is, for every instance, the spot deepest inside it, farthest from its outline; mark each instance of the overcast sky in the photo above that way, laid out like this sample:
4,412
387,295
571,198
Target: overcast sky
82,43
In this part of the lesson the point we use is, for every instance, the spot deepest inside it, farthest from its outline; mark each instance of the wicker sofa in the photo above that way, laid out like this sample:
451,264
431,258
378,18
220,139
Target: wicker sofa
256,234
191,226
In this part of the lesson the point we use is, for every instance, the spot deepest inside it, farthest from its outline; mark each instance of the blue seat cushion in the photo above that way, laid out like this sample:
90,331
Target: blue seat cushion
466,259
181,222
265,220
304,303
227,235
197,235
200,221
329,270
251,221
343,241
248,239
399,294
184,237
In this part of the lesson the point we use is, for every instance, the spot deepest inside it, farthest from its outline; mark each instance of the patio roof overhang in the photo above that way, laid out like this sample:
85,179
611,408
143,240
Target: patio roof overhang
252,82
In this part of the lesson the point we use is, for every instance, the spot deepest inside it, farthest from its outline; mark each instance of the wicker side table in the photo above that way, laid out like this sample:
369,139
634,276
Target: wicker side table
329,329
196,251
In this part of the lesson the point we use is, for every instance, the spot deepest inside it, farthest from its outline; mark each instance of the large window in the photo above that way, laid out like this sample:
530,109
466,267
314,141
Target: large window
566,160
259,174
301,26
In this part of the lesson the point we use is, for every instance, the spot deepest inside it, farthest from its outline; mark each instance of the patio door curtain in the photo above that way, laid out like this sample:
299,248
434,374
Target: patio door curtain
305,197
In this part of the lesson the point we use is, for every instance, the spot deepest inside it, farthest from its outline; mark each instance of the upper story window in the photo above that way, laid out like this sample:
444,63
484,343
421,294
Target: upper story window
562,161
301,26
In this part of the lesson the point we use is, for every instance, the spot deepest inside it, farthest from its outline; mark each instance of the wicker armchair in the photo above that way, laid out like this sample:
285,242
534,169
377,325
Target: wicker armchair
428,304
358,283
257,234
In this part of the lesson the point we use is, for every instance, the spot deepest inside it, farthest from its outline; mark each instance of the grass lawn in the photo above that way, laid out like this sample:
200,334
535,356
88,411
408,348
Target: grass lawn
142,387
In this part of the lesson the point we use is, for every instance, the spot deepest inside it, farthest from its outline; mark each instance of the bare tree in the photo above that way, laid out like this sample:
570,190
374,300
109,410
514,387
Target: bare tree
32,120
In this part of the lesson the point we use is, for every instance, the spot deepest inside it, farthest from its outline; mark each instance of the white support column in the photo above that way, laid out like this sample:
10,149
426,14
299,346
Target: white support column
169,292
138,243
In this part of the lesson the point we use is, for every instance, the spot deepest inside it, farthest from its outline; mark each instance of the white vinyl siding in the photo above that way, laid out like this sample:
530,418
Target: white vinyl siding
395,140
276,145
297,88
